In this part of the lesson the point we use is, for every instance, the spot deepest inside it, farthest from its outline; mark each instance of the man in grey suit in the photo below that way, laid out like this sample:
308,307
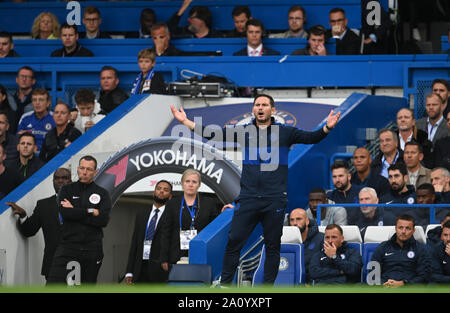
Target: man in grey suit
434,125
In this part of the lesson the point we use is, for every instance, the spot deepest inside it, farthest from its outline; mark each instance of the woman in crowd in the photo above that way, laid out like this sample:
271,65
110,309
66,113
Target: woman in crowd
46,26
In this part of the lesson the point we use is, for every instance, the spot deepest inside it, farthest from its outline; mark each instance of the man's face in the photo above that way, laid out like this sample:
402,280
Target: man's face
445,235
262,110
441,90
334,236
397,180
160,37
412,156
341,178
4,125
86,109
338,22
404,230
296,20
86,171
40,103
434,107
26,147
162,192
61,177
316,41
387,143
254,36
239,22
298,218
92,22
425,196
25,79
147,23
5,46
361,159
405,120
195,24
366,197
438,179
316,199
61,115
69,37
108,80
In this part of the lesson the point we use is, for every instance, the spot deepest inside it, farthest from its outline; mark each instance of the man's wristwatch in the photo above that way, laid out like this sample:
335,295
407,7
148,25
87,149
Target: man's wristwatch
334,256
329,129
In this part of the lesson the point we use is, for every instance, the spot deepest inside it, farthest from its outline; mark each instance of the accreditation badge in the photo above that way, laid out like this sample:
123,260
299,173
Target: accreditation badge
146,85
185,238
147,248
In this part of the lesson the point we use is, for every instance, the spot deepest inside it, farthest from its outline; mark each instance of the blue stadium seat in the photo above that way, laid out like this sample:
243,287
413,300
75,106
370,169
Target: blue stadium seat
292,266
190,274
367,251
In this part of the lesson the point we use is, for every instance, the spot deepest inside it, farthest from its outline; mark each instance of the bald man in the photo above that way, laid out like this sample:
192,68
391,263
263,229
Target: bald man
311,237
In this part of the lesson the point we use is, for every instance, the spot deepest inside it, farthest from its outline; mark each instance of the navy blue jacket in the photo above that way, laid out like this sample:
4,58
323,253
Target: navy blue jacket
350,196
362,222
410,263
440,264
265,175
346,268
408,197
312,244
434,236
373,180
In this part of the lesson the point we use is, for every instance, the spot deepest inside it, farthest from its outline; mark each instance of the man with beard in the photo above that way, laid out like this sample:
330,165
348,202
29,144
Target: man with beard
27,163
311,237
345,192
144,265
434,124
402,259
45,216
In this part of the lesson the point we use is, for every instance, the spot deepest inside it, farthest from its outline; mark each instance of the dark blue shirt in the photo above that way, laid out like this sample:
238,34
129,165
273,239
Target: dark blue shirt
350,196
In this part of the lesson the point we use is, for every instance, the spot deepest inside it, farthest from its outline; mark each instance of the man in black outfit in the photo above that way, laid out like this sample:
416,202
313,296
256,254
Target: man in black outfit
255,47
347,42
144,264
45,216
111,96
84,207
71,47
161,41
9,178
27,163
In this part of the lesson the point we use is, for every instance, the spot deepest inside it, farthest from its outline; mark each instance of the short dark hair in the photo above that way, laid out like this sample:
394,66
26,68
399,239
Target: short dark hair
272,102
414,143
28,68
164,181
406,217
84,95
67,25
89,158
336,10
436,81
109,68
8,35
317,30
255,22
318,190
5,114
92,10
335,226
399,166
148,13
426,186
339,164
298,8
203,13
446,225
26,134
238,10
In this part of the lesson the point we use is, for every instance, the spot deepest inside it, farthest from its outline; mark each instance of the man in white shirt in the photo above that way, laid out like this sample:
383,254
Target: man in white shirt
255,47
144,265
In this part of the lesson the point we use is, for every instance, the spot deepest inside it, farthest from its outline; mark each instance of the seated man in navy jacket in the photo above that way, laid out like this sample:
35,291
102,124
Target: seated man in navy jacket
402,259
440,257
255,47
336,263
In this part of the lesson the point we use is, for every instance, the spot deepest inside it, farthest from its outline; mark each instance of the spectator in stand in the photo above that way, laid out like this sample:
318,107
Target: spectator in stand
7,140
336,263
200,23
424,195
147,19
241,14
375,37
71,47
311,237
316,42
442,88
85,100
434,235
9,179
389,152
46,26
328,215
369,215
92,20
440,257
407,131
39,121
434,124
440,179
364,175
61,136
403,260
148,81
6,108
161,41
27,163
7,45
20,101
110,96
255,47
344,191
417,173
296,20
442,149
347,41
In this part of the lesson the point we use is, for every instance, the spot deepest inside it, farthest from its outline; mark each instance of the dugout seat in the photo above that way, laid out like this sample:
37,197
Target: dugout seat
291,234
190,274
430,227
367,251
383,233
352,233
291,271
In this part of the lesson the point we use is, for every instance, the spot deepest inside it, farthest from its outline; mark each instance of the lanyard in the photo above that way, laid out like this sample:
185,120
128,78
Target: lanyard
191,211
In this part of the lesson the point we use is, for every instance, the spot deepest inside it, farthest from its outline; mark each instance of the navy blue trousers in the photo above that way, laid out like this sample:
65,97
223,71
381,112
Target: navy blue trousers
270,213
